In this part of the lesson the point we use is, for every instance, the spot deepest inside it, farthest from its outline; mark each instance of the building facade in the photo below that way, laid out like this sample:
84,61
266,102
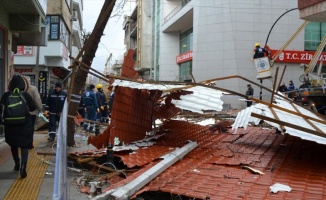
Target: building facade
138,36
313,10
49,63
212,39
20,24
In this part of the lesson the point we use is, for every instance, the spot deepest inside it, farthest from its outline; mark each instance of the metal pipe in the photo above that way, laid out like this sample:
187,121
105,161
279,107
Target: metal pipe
276,22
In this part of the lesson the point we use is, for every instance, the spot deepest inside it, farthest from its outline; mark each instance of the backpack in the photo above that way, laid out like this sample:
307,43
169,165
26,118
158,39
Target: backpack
15,108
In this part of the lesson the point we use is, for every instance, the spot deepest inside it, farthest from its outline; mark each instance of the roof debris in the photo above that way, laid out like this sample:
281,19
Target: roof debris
215,167
286,117
280,187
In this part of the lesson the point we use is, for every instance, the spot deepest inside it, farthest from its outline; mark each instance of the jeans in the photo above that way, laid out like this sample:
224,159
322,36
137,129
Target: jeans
91,115
53,119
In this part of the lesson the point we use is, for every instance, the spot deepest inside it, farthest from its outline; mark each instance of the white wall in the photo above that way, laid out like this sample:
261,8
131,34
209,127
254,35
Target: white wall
224,36
169,49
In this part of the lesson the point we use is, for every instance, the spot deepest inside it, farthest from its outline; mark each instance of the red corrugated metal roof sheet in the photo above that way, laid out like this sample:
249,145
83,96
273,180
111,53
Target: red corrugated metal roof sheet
214,168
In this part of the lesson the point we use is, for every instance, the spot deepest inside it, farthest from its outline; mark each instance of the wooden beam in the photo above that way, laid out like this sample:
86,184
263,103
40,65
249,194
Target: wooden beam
313,132
309,122
290,111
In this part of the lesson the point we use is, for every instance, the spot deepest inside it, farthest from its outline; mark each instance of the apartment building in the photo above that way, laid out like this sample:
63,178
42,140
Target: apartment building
49,63
138,36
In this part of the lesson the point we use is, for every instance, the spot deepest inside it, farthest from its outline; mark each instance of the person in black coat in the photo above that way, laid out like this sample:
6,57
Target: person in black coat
249,93
54,105
19,135
259,52
283,88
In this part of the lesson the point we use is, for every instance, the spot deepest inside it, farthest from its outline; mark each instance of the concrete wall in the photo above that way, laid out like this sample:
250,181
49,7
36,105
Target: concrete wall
146,37
60,7
304,3
4,18
169,49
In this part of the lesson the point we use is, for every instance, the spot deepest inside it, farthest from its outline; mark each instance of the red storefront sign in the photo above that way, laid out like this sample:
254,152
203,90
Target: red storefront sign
289,56
24,51
184,57
23,70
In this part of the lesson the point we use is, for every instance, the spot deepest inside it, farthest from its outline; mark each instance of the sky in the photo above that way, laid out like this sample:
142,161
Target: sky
113,39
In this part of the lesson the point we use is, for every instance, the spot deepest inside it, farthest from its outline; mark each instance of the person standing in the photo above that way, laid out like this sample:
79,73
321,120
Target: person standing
91,106
54,106
259,52
291,87
283,88
249,93
101,101
19,135
81,108
33,91
111,99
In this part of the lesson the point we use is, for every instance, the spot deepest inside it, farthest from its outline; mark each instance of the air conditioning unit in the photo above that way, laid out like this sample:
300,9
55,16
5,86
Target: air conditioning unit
74,15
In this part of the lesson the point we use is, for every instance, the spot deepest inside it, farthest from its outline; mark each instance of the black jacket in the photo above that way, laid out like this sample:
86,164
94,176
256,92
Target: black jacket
260,52
55,101
100,96
19,135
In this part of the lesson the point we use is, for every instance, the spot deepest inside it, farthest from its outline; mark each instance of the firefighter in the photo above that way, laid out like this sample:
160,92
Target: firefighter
259,52
91,105
101,101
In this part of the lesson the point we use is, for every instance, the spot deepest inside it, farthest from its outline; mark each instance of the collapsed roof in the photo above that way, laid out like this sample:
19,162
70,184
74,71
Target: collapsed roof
222,165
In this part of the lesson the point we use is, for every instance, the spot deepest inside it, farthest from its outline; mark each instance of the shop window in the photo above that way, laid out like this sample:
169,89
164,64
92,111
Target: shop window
314,33
185,71
186,41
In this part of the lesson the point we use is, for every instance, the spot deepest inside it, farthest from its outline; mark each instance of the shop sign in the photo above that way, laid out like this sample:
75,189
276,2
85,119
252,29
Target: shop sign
23,70
184,57
24,51
291,56
42,85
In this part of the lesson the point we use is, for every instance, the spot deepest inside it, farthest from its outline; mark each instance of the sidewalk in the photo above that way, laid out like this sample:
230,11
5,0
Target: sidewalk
45,191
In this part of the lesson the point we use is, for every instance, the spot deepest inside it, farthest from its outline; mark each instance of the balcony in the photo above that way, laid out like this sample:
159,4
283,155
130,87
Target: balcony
313,10
32,11
176,10
180,18
21,14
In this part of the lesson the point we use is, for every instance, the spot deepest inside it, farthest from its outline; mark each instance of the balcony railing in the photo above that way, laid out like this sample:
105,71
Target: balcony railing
176,10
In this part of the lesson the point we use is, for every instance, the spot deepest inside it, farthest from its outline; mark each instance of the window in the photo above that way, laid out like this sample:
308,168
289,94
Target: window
314,33
184,71
54,27
186,41
58,29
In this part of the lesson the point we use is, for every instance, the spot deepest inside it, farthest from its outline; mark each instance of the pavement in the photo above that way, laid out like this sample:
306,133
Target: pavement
8,176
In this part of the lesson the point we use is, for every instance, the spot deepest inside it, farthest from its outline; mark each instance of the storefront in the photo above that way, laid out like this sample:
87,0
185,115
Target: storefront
184,60
185,66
